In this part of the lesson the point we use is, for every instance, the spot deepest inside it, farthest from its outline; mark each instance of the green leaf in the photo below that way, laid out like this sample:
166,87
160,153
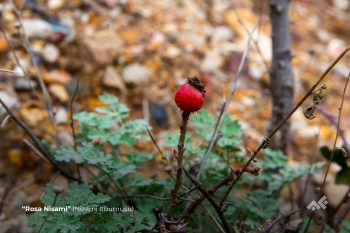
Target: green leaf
230,128
343,176
77,195
137,181
108,98
338,156
273,159
345,226
84,117
205,124
138,157
84,153
122,170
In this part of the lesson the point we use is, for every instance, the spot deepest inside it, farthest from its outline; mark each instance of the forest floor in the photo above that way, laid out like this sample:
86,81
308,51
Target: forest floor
141,51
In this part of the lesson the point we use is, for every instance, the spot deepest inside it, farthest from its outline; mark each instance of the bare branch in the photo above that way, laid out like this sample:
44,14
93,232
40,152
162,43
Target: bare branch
286,118
211,200
233,89
38,144
334,147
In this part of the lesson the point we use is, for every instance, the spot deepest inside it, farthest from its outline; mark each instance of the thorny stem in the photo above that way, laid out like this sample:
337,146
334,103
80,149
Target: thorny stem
181,150
286,119
211,200
334,145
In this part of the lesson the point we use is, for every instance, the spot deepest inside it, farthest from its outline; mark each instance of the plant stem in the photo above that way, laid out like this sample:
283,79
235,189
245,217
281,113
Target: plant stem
233,90
286,119
211,200
47,216
181,150
38,144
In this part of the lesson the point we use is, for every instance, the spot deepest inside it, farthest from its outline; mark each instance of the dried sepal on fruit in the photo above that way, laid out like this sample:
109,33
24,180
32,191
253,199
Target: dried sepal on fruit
189,97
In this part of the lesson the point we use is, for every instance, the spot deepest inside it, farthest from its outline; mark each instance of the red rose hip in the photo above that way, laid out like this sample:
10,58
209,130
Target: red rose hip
190,96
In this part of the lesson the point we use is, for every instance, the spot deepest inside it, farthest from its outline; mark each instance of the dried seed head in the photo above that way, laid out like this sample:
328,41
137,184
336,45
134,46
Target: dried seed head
308,112
197,84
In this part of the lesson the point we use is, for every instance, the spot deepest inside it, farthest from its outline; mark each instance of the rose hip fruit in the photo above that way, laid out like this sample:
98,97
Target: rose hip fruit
190,96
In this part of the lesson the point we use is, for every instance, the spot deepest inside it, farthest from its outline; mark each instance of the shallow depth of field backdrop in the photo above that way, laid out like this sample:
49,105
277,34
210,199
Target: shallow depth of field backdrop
141,51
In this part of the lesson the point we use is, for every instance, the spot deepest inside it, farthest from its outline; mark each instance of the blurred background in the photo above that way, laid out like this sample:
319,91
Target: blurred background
141,50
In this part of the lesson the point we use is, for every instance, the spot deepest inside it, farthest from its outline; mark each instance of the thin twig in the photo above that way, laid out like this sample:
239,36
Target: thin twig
4,122
233,89
255,41
9,42
330,117
7,193
154,141
22,185
286,118
71,115
211,200
239,213
190,208
72,124
268,229
38,144
51,182
12,72
214,219
160,151
143,196
47,216
37,72
308,177
337,134
334,146
36,151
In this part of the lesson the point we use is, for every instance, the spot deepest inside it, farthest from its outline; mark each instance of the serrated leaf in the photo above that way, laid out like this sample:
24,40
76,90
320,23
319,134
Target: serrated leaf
108,98
84,153
102,222
84,117
121,171
230,128
138,181
139,157
77,195
273,159
66,154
